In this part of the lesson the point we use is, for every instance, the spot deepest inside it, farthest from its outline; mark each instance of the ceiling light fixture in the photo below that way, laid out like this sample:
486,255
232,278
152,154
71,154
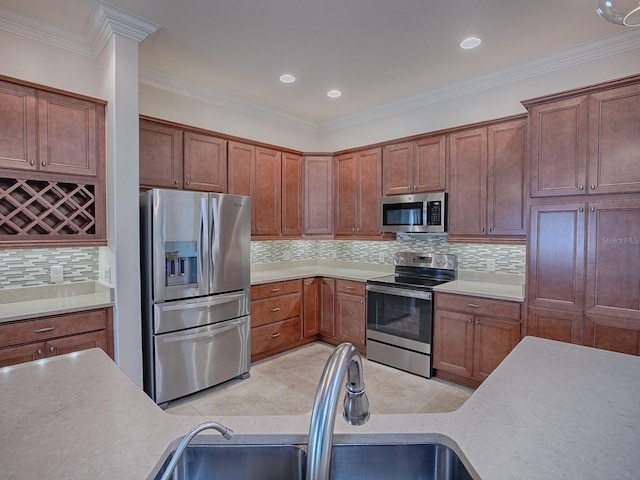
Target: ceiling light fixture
469,43
620,12
287,78
334,93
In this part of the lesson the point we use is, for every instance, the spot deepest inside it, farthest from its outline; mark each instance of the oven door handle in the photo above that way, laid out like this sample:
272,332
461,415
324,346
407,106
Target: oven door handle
400,292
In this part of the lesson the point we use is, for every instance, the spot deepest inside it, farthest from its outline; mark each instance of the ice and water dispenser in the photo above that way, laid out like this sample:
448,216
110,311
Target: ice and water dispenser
181,263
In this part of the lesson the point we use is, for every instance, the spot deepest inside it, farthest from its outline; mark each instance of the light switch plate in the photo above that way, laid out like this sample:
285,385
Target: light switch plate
491,265
57,274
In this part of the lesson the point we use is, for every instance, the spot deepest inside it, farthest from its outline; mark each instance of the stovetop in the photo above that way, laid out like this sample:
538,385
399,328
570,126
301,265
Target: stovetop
421,271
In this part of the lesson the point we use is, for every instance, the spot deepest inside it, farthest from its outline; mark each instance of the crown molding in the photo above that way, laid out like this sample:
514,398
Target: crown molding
104,21
164,81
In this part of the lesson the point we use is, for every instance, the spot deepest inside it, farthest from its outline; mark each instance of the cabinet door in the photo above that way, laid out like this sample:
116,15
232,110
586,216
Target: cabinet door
558,147
18,143
346,191
240,168
468,188
69,134
21,354
311,307
614,143
266,191
350,318
369,181
75,343
493,340
160,155
506,178
397,165
291,195
555,325
453,343
327,305
618,335
429,164
556,257
318,195
205,163
613,262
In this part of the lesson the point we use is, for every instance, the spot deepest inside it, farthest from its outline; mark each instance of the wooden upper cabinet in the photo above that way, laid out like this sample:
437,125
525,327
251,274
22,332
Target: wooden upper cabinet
160,155
586,141
266,188
614,143
415,167
50,132
240,163
556,257
205,163
291,194
613,259
487,181
318,195
558,147
18,141
358,186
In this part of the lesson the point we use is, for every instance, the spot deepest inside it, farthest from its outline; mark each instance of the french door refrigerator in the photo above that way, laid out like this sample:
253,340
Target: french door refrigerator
195,261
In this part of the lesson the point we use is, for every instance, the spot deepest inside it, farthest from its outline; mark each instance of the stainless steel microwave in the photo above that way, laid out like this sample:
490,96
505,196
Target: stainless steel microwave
418,213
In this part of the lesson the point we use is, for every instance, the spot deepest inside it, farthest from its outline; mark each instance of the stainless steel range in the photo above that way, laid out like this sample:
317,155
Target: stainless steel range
400,310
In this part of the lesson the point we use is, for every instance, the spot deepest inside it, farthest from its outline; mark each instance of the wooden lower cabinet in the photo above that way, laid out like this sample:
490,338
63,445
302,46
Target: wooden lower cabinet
276,318
472,336
615,334
555,325
33,339
344,313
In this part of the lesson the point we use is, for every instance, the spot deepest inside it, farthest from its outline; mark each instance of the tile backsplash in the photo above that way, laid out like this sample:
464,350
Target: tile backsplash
28,267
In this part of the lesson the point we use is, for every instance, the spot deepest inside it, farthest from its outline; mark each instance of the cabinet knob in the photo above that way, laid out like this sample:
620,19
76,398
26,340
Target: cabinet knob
52,349
491,229
175,182
593,187
32,162
581,209
477,322
469,321
189,182
44,164
39,352
593,209
581,187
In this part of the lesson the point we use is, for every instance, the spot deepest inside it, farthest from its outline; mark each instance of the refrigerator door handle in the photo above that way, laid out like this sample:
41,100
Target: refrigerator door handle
211,332
219,300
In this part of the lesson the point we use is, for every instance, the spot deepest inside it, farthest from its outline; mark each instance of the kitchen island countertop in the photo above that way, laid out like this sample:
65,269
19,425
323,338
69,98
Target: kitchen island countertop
550,410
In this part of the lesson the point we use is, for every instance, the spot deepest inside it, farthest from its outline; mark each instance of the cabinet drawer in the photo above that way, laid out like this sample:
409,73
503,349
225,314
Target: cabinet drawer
478,306
51,327
269,310
275,288
349,286
268,337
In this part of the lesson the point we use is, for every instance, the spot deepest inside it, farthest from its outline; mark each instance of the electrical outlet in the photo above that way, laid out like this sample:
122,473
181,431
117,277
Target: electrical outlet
491,265
381,257
57,274
107,274
286,255
333,254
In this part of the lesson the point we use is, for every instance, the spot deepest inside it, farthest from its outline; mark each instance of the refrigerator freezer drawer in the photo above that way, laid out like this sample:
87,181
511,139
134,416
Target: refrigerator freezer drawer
197,312
198,358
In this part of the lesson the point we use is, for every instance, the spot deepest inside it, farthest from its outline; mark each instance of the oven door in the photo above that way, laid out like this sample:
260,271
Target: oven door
400,316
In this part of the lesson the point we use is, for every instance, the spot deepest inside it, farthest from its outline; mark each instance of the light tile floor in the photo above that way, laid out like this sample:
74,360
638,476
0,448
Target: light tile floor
286,384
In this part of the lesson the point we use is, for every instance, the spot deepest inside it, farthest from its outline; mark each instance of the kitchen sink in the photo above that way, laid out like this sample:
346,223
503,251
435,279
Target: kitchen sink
240,462
424,461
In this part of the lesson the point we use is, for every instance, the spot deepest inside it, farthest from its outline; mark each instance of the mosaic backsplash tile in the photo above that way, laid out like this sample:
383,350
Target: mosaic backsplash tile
31,266
28,267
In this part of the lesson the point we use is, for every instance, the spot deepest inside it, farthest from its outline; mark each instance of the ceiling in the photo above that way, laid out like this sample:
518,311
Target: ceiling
377,52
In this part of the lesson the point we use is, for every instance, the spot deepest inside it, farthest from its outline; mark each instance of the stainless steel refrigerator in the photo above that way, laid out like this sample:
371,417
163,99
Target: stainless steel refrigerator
195,261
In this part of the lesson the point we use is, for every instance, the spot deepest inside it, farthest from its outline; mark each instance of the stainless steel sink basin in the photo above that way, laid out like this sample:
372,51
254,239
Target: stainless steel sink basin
240,462
424,461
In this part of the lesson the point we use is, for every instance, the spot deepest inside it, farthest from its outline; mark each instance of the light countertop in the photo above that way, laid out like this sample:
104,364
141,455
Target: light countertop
277,271
498,291
550,410
31,302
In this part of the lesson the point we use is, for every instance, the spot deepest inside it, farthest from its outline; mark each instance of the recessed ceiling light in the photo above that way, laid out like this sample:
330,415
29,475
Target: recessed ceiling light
471,42
287,78
334,93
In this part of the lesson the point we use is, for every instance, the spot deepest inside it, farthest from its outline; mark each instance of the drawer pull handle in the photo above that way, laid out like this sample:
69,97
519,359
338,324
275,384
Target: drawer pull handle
277,309
46,329
473,305
275,289
349,287
275,335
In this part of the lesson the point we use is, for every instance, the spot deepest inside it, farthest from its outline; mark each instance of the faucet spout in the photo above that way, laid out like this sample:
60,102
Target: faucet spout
226,433
344,363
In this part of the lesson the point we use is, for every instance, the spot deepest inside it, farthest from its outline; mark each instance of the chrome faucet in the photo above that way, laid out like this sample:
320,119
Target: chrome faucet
226,433
344,363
